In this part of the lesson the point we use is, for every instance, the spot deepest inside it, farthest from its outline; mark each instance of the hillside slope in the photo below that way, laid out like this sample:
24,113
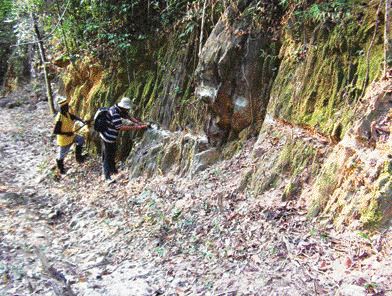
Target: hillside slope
197,235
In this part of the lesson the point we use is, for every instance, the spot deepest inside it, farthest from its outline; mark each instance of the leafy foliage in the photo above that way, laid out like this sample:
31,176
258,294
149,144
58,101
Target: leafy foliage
102,27
332,11
6,35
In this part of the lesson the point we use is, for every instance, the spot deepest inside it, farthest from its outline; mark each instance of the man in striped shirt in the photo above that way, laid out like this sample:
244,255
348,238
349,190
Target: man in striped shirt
117,119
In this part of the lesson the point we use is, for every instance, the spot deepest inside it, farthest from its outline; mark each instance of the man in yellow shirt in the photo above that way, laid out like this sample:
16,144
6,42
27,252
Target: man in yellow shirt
64,129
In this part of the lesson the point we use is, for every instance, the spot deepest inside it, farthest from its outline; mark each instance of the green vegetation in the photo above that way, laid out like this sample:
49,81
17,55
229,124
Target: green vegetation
326,183
324,66
295,157
6,35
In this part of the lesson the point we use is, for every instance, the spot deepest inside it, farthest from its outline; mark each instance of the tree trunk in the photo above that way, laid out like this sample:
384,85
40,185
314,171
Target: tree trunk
387,39
41,49
202,27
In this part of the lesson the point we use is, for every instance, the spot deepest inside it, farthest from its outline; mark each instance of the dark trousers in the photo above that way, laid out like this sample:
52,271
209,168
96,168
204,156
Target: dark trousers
108,158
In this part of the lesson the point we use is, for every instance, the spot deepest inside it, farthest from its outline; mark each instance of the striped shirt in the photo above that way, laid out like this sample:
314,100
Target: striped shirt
114,122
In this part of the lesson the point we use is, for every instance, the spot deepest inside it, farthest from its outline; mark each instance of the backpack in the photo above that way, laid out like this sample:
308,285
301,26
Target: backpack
100,119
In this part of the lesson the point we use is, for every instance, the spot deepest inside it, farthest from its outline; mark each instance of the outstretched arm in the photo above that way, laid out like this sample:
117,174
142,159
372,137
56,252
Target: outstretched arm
135,120
132,127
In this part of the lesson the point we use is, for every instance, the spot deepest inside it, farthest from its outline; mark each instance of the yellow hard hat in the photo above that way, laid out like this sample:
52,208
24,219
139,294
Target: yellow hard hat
62,100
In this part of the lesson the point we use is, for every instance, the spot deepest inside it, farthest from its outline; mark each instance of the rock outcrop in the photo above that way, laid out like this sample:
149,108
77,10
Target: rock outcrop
309,64
161,152
326,65
236,69
354,187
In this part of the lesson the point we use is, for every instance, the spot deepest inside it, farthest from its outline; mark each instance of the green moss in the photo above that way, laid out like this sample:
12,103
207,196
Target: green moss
290,189
388,167
314,209
149,85
371,215
286,156
232,149
269,181
294,160
330,77
325,186
295,157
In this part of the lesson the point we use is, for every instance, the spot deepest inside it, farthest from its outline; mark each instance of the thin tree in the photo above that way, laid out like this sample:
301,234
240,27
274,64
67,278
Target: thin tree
387,39
202,27
42,54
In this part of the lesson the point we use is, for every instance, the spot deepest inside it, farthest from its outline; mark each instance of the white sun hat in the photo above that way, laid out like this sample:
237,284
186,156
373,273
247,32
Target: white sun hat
125,103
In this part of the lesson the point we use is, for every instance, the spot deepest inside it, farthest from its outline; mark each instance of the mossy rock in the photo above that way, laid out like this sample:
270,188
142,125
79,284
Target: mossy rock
292,189
170,157
332,74
371,216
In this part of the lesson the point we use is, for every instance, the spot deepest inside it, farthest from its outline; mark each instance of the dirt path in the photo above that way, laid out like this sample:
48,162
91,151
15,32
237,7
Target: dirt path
45,246
163,236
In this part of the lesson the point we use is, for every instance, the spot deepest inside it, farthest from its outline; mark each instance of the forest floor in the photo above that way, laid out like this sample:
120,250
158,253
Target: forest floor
166,235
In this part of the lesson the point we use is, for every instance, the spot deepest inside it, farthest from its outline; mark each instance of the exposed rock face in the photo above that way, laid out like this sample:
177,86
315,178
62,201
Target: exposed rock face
322,73
235,72
355,184
18,68
286,159
380,104
161,152
159,82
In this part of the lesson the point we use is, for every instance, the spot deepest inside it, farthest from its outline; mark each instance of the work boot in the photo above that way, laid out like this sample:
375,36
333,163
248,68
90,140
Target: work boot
60,166
78,154
109,181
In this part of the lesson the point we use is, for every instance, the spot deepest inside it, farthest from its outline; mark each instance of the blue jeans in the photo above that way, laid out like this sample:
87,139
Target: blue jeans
108,158
62,151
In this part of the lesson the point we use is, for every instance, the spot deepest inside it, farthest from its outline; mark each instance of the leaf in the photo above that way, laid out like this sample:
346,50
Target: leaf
348,262
322,265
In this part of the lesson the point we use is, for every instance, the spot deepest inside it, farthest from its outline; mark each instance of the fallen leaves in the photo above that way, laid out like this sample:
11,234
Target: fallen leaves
323,266
185,236
348,263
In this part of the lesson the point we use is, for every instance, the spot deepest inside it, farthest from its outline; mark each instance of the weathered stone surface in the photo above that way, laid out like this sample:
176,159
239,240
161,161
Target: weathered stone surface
232,78
10,196
321,76
355,183
379,106
204,159
5,102
161,151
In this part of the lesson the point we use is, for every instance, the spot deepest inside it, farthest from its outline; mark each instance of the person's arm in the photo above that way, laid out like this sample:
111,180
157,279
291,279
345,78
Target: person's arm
133,127
74,117
57,130
135,120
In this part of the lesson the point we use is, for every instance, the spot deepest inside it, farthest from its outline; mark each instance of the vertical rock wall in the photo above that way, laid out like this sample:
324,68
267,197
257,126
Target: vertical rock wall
324,67
236,69
354,187
312,75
